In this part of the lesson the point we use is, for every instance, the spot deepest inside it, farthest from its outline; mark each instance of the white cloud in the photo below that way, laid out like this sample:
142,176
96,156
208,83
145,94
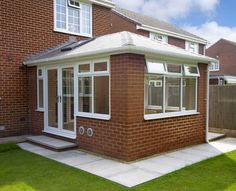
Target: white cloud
169,9
212,31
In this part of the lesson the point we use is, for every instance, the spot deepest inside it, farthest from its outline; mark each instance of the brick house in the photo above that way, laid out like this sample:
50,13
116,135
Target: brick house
223,71
123,94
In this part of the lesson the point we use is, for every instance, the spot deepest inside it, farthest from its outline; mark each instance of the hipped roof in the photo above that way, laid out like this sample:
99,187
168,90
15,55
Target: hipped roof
111,44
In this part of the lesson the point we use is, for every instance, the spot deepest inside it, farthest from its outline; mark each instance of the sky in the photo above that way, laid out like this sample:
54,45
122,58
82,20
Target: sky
209,19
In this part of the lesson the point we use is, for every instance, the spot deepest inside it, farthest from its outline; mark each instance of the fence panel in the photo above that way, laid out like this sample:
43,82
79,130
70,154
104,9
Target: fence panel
222,107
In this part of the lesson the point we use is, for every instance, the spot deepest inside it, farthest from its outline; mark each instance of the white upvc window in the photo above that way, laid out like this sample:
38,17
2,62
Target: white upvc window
215,66
94,89
191,70
73,17
40,89
159,37
192,47
170,93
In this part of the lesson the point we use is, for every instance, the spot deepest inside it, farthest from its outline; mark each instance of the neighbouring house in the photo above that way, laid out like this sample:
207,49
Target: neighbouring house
224,71
68,70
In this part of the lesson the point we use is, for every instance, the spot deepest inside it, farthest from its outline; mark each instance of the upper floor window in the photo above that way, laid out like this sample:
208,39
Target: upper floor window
73,16
192,47
159,37
215,66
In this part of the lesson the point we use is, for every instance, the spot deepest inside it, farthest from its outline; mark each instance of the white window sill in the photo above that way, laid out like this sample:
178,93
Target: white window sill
40,110
94,116
168,115
72,33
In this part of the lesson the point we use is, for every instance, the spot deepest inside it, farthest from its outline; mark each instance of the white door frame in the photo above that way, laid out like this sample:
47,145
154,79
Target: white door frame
52,130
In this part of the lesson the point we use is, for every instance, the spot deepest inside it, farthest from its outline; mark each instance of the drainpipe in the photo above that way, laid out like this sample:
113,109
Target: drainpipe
207,103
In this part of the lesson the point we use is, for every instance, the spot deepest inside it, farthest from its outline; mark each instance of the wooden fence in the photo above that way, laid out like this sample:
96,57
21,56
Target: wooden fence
222,107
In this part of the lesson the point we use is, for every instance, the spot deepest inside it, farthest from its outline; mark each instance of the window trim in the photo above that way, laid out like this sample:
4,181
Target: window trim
165,39
178,113
212,67
66,31
93,74
188,74
42,77
74,6
196,47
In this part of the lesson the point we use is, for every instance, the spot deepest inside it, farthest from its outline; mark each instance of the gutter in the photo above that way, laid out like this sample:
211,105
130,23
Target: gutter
207,104
105,3
124,49
169,33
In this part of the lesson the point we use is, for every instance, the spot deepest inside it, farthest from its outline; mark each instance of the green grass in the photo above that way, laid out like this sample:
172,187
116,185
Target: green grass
24,171
8,147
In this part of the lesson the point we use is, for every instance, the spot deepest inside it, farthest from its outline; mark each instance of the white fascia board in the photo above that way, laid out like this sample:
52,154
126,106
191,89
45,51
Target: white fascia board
124,49
105,3
169,33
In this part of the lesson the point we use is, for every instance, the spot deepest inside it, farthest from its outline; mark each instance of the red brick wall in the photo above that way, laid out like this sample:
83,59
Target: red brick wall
127,135
225,51
176,42
27,28
181,44
121,23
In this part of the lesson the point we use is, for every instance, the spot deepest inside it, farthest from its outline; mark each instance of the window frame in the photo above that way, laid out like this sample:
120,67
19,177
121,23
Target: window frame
74,6
93,74
66,31
213,68
164,39
196,47
182,112
42,77
188,74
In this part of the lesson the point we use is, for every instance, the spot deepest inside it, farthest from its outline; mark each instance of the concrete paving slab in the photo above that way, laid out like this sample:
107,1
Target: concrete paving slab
105,167
213,136
138,172
134,177
161,164
14,139
51,142
190,158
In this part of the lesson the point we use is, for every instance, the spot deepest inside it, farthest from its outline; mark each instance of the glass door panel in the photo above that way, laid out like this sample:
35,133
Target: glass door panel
52,98
68,99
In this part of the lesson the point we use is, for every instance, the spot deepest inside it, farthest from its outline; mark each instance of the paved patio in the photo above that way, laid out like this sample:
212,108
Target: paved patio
136,173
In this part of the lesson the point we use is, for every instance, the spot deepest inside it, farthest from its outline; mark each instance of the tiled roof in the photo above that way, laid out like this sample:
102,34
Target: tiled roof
153,22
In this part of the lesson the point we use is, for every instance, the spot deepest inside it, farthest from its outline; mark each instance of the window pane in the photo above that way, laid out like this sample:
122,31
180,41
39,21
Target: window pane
174,68
86,18
61,14
155,68
154,94
73,20
172,94
85,94
84,68
40,72
101,94
191,70
40,89
189,93
100,66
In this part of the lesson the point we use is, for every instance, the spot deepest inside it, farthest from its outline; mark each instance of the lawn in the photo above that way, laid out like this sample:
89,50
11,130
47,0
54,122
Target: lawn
24,171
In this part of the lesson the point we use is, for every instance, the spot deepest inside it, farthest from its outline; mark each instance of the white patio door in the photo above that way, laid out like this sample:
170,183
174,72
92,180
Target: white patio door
59,115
